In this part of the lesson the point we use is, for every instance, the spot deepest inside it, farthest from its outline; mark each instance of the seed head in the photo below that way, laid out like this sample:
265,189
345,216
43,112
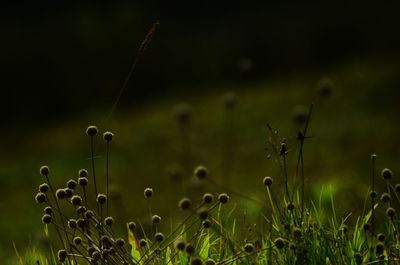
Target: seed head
397,187
132,226
156,219
40,197
120,242
189,249
373,157
209,262
223,198
385,197
62,255
142,243
83,181
83,173
44,170
196,261
387,174
71,184
390,212
182,113
185,204
91,131
380,247
290,206
267,181
109,220
60,194
68,193
77,240
248,248
46,218
159,237
48,210
207,223
76,200
148,192
96,255
297,233
89,214
81,209
279,243
203,214
101,199
105,239
44,187
381,237
108,136
230,100
201,172
373,194
180,244
208,198
81,223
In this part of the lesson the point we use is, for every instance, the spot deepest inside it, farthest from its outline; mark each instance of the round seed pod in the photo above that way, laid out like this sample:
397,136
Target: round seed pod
89,214
91,130
71,184
101,199
380,247
90,250
77,240
290,206
44,170
381,237
207,223
44,187
83,173
83,181
62,255
60,194
387,174
76,200
297,233
209,262
105,240
120,242
267,181
159,237
248,248
156,219
385,197
185,204
279,243
109,220
208,198
201,172
81,209
223,198
72,223
390,212
96,255
48,210
40,197
81,223
142,243
373,194
180,244
196,261
203,214
157,251
373,157
132,226
148,193
397,187
46,218
189,249
68,193
108,136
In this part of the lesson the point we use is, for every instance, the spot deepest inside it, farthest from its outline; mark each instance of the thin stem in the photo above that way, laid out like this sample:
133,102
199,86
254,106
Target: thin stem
107,191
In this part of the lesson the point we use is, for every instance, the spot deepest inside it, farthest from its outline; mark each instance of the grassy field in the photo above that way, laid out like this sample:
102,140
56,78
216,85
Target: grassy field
358,119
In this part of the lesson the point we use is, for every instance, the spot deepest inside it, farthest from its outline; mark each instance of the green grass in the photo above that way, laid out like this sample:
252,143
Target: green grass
356,121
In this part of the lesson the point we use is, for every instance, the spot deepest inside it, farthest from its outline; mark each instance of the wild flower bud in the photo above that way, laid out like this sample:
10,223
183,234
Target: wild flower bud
290,206
297,233
148,192
180,244
223,198
96,255
201,172
83,181
373,194
68,193
81,223
91,131
62,255
89,214
142,243
108,136
72,223
109,220
189,249
156,219
44,187
207,223
101,199
40,197
267,181
60,194
248,248
397,187
196,261
390,212
90,250
71,184
380,247
77,240
44,170
159,237
105,239
386,174
381,237
185,204
279,243
208,198
209,262
373,157
76,200
385,197
48,210
132,226
46,218
120,242
81,209
203,214
83,173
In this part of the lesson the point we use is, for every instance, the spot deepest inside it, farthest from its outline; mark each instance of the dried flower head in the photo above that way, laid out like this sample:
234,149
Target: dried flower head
68,193
83,181
248,248
91,130
210,262
180,244
159,237
101,199
189,249
385,197
120,242
109,220
267,181
76,200
83,173
60,194
223,198
182,113
46,218
390,212
77,240
40,197
196,261
44,170
71,184
279,243
108,136
387,173
208,198
201,172
44,187
72,223
142,243
62,255
148,192
203,214
48,210
380,247
230,100
185,204
207,223
381,237
373,194
132,226
156,219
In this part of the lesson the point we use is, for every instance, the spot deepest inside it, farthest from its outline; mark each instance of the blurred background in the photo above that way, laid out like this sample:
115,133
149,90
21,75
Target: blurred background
210,80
